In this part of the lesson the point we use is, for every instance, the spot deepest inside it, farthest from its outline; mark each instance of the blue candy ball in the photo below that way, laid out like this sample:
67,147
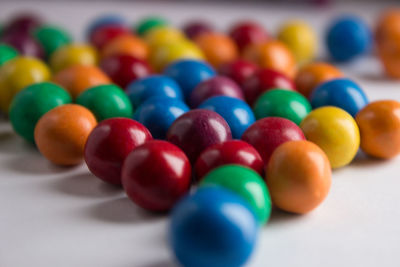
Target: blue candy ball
158,113
347,38
236,112
152,86
213,227
189,73
342,93
104,20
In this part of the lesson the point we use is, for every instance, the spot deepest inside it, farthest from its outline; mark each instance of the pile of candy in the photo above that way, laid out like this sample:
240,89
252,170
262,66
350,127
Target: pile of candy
249,120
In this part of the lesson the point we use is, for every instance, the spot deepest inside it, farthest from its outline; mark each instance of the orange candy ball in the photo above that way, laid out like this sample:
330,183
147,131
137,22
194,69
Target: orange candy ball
61,133
273,55
298,176
126,44
79,78
313,74
218,48
379,124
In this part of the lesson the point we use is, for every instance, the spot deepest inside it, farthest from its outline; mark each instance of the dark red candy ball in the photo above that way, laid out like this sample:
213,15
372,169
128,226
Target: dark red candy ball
238,70
248,32
195,28
218,85
101,36
229,152
110,143
198,129
156,175
264,80
267,134
124,69
24,43
23,23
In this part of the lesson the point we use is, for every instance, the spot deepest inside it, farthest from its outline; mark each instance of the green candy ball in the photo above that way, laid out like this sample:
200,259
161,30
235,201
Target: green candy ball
106,101
282,103
29,105
246,183
149,23
7,53
51,38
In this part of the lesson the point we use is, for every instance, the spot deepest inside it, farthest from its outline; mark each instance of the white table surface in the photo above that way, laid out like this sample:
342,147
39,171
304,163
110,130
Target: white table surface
56,217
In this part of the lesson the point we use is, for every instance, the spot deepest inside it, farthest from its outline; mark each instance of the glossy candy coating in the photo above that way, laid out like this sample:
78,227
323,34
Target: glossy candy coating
51,38
156,175
78,78
73,54
153,86
238,70
24,43
245,33
105,20
106,101
335,132
196,130
197,27
150,23
264,80
7,53
124,69
342,93
313,74
213,227
101,36
61,133
158,113
110,143
188,73
379,124
161,36
282,103
126,44
298,176
23,23
215,86
236,113
229,152
267,134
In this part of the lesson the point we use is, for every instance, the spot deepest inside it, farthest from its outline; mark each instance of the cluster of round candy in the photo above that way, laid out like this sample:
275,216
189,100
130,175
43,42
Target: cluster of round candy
145,111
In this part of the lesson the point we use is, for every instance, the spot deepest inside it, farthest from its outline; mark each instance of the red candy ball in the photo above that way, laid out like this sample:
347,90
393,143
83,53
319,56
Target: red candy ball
23,23
101,36
124,69
195,28
110,143
156,175
24,43
248,32
264,80
267,134
238,70
198,129
229,152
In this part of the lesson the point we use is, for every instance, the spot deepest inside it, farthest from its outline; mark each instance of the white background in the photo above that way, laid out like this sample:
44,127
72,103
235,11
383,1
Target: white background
56,217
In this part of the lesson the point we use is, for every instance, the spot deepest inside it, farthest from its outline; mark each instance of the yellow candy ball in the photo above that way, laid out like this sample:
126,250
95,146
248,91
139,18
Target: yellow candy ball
73,54
160,36
17,74
335,132
301,40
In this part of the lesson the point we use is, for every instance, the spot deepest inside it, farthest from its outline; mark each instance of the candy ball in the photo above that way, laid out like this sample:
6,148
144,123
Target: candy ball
29,105
298,176
18,73
126,44
24,43
313,74
158,113
335,132
239,70
156,175
379,124
188,73
196,130
104,20
61,133
300,38
23,23
264,80
267,134
342,93
217,47
78,78
7,53
230,152
150,23
153,86
106,101
124,69
272,55
218,85
103,35
161,36
197,27
213,227
52,38
246,33
73,54
236,113
110,143
282,103
348,37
